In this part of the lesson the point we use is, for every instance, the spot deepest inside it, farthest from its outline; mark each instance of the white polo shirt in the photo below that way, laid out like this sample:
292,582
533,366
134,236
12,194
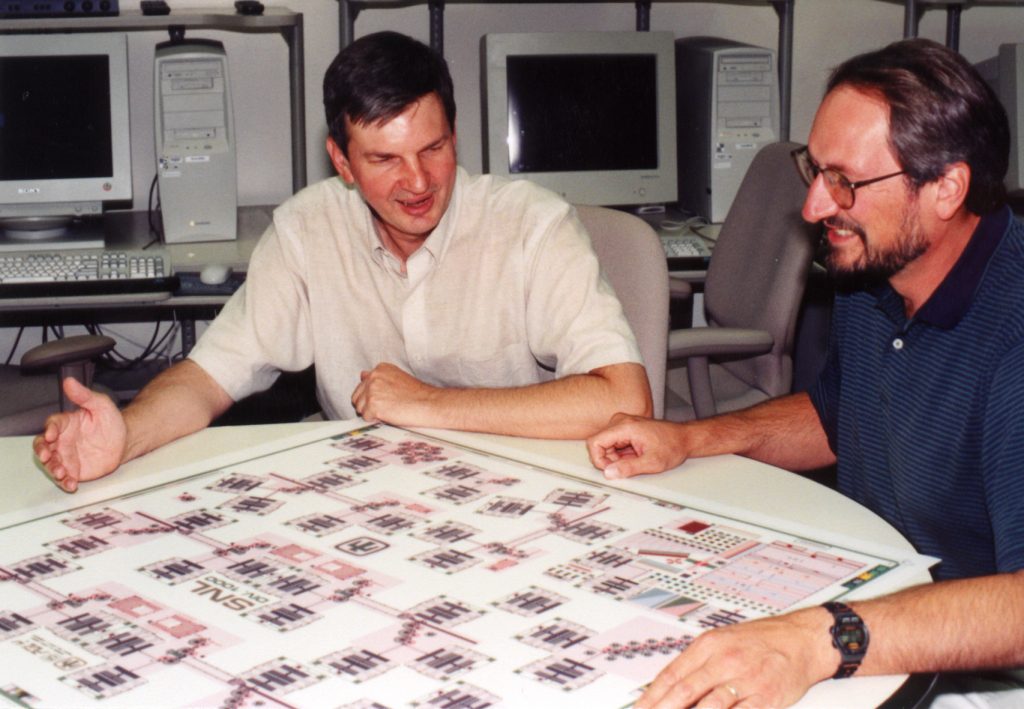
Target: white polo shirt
506,286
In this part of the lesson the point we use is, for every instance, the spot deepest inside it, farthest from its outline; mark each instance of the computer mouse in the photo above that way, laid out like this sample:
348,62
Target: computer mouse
214,274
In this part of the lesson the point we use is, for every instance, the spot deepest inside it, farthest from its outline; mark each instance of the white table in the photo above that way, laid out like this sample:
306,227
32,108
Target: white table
725,484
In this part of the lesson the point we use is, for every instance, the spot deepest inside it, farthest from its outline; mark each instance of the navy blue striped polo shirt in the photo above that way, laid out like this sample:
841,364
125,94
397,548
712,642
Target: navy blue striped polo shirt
926,415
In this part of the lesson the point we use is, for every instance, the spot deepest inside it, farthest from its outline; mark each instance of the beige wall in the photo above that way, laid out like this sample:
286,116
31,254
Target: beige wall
825,33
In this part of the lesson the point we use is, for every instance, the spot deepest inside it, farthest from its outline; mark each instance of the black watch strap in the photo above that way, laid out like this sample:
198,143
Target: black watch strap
849,636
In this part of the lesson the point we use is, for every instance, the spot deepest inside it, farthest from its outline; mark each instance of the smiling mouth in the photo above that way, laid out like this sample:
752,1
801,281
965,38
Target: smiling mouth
418,204
841,231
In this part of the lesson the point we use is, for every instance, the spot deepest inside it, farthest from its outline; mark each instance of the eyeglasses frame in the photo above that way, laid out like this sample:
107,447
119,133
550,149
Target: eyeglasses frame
802,157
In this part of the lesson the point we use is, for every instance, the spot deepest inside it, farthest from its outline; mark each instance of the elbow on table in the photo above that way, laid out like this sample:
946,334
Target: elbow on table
631,390
637,403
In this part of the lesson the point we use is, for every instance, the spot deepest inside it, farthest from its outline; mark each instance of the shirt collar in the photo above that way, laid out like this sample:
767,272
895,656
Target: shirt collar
950,301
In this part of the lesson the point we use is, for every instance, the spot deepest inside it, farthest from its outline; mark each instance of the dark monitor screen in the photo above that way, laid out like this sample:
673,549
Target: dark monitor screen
55,117
582,112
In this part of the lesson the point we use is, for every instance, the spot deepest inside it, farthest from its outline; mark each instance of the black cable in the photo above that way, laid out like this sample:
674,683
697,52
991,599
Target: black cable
116,360
166,338
155,225
151,347
14,347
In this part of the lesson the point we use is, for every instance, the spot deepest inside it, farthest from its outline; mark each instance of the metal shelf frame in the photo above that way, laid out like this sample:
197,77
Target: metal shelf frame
913,10
348,11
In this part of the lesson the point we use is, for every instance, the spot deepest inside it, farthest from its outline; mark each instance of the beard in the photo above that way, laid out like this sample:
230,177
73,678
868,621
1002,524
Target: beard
876,264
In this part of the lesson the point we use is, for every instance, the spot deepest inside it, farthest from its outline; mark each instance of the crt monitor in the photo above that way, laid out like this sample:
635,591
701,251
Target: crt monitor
64,142
590,115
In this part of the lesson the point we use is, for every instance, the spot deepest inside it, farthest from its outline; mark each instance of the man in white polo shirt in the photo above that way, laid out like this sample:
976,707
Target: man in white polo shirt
425,296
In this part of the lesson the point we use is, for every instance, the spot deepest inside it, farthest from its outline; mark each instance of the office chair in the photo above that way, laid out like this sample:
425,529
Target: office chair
752,293
632,257
31,391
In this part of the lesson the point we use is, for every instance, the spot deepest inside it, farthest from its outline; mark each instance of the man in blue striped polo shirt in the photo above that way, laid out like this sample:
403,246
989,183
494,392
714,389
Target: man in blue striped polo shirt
921,402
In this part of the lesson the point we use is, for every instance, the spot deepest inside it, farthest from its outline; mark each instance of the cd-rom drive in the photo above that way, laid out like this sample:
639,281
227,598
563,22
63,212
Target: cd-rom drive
195,145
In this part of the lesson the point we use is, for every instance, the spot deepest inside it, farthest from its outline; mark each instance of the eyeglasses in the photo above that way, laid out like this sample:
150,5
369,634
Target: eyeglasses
838,185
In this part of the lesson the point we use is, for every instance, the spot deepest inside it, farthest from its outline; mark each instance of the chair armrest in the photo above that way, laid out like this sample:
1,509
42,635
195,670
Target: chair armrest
67,349
72,356
709,341
697,344
678,288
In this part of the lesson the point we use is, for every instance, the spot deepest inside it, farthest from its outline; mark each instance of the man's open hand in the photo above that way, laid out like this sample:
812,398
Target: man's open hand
85,444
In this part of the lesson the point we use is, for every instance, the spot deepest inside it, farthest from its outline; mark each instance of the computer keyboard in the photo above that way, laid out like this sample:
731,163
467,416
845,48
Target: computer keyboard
54,274
685,252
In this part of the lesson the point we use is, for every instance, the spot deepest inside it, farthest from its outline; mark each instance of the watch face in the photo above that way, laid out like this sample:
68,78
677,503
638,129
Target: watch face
850,636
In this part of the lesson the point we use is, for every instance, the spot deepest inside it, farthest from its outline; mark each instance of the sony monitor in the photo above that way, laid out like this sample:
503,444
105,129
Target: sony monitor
590,115
64,143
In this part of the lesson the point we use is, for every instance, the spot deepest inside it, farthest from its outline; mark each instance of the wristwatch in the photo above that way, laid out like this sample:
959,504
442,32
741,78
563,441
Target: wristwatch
849,636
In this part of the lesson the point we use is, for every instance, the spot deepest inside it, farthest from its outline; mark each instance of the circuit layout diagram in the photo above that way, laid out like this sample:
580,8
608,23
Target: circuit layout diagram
382,568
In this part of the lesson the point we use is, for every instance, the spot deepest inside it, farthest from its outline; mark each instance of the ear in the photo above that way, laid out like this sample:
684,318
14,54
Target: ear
339,161
951,190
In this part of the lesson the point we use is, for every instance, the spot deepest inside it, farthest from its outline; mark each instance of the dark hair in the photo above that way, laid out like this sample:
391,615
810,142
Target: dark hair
940,112
376,77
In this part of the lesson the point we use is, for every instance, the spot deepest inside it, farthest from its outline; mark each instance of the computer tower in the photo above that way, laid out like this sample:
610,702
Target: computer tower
727,108
195,142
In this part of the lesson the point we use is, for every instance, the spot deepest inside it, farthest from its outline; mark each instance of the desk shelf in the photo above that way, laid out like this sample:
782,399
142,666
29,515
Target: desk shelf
348,10
274,19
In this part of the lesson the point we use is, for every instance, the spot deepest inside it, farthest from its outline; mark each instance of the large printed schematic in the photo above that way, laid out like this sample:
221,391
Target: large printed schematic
383,568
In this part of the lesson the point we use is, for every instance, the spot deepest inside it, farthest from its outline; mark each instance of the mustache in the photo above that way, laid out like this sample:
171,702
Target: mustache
841,224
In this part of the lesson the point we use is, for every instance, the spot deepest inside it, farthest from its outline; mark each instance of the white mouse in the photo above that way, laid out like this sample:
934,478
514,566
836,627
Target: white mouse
214,274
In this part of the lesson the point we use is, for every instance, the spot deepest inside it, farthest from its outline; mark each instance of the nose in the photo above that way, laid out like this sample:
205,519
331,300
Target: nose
416,178
818,204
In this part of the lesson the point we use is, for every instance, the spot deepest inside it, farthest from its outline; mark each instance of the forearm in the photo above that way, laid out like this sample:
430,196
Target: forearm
180,400
785,432
959,625
573,407
968,624
951,626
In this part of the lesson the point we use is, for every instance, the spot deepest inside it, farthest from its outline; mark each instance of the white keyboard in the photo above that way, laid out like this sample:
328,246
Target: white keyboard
60,273
685,252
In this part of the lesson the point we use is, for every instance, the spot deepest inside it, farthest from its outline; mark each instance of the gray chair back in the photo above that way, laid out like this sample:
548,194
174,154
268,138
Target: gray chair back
633,260
759,266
